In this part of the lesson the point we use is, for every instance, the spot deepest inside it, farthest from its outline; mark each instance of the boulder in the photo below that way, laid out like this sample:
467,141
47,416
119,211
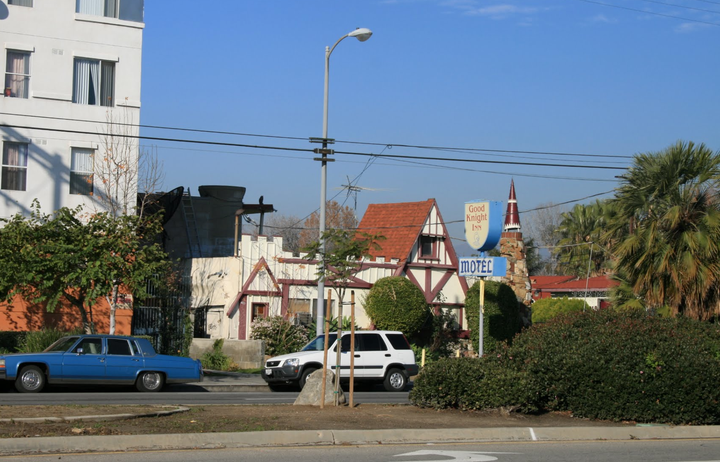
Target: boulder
312,391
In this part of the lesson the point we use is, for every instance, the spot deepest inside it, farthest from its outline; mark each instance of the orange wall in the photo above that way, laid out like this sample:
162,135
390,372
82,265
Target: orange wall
22,316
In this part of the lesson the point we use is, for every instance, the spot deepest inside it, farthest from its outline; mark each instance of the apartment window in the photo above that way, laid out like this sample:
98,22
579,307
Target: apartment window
17,74
21,2
14,166
94,82
129,10
428,247
81,172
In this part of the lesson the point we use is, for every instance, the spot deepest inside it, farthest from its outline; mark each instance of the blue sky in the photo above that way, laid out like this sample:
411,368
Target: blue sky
600,80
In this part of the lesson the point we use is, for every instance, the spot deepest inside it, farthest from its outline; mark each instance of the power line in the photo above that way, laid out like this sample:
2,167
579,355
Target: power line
348,153
292,138
651,12
681,6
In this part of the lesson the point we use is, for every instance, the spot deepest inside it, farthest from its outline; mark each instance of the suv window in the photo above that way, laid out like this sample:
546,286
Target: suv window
316,344
398,341
365,342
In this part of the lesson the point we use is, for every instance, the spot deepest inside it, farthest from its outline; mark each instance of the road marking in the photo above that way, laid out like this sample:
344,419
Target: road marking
468,456
532,434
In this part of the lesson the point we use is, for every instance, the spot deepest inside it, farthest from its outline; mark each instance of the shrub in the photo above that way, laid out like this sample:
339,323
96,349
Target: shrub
625,366
473,384
36,341
395,303
547,308
501,320
280,335
11,340
216,360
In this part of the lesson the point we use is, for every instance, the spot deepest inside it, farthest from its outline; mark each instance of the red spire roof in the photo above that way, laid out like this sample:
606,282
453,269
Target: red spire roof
512,216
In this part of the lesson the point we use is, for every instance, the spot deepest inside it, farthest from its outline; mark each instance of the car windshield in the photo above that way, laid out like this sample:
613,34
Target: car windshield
63,344
316,344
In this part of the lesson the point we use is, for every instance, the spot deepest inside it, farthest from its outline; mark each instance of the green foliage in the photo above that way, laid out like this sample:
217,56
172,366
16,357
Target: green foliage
395,303
188,331
501,320
438,337
473,384
37,341
10,340
346,326
580,230
665,234
77,257
623,365
280,335
216,360
545,309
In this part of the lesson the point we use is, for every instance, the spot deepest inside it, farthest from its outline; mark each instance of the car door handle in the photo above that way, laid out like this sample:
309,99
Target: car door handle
357,356
387,355
102,360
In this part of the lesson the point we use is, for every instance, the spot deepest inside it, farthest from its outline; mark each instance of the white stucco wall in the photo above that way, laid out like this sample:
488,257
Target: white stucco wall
48,119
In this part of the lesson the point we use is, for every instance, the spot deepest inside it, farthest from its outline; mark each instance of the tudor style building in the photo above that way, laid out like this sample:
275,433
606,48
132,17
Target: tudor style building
230,293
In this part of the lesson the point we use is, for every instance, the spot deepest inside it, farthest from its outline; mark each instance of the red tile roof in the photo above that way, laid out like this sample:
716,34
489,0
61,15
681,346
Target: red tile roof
571,283
400,223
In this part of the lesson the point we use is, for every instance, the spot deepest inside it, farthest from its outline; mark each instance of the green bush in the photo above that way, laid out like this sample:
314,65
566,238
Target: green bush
545,309
11,340
216,360
473,384
36,341
280,335
624,366
501,320
395,303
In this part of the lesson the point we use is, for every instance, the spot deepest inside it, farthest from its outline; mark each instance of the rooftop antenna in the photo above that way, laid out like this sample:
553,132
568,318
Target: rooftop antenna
354,190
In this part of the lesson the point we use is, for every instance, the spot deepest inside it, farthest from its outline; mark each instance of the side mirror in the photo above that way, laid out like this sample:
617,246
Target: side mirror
79,351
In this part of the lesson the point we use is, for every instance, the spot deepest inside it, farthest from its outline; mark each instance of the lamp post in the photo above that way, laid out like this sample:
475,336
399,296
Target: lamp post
361,34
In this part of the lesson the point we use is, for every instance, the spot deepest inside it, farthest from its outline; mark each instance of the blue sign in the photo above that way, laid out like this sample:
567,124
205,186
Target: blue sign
483,224
479,266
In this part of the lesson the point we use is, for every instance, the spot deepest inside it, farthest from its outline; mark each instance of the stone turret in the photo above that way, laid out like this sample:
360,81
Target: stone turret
512,247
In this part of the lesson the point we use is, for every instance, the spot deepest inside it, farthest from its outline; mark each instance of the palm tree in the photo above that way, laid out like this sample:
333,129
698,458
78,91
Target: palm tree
579,249
666,230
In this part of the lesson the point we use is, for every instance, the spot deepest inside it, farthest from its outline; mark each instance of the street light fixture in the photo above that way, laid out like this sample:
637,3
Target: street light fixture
361,34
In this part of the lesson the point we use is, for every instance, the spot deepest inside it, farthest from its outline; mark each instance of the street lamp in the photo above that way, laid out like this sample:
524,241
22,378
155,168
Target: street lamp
361,34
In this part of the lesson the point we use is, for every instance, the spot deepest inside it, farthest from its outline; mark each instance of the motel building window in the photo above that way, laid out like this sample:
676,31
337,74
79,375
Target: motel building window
429,247
94,82
17,74
14,166
81,172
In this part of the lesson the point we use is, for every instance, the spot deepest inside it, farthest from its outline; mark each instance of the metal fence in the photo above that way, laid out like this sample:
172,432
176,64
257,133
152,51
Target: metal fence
161,316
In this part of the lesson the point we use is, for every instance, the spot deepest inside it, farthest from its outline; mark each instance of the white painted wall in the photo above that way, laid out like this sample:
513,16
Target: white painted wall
54,35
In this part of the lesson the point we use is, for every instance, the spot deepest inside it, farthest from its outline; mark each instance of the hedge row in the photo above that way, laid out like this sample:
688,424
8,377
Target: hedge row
602,365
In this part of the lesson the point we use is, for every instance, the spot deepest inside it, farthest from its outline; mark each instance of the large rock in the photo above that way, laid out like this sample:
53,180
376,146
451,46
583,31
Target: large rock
311,393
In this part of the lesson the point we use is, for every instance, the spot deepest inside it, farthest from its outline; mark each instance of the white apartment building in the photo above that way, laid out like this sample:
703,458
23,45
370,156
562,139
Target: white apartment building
72,73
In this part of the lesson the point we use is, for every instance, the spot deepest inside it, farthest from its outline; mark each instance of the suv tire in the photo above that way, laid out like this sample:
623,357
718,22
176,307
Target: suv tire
395,380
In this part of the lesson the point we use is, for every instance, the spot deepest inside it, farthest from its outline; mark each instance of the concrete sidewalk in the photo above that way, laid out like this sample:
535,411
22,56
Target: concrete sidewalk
59,445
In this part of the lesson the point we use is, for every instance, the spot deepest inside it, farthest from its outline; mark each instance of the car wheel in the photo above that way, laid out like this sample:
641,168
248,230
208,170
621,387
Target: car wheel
31,380
395,380
303,378
150,381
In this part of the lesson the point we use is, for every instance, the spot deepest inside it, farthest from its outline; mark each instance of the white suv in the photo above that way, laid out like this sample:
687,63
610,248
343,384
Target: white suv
380,356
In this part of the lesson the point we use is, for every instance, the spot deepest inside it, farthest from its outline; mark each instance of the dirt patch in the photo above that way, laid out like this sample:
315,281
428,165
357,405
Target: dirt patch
241,418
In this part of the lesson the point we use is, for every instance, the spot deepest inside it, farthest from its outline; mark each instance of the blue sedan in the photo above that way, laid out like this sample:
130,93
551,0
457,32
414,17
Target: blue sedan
101,360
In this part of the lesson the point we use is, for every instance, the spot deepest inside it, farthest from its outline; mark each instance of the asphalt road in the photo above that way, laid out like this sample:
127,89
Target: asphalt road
605,451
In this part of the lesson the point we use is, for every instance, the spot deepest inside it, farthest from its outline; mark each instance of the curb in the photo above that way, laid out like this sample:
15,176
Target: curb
98,418
122,443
